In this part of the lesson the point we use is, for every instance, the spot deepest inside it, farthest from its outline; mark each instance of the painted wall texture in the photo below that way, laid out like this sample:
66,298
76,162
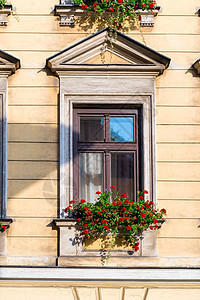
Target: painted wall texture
33,148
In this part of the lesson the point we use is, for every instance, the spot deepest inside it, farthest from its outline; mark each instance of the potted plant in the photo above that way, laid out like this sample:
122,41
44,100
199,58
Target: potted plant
116,12
110,215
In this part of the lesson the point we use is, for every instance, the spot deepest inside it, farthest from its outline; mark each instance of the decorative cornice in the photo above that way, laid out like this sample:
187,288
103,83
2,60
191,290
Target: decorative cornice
141,60
101,274
5,11
8,64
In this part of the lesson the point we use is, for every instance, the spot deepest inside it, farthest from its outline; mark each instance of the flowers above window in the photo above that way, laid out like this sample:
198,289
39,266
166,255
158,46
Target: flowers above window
115,12
119,215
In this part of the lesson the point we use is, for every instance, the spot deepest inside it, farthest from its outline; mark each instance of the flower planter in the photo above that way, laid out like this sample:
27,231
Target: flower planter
68,11
5,11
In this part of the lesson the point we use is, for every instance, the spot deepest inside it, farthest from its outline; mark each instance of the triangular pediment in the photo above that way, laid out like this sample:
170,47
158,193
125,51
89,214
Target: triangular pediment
8,63
99,50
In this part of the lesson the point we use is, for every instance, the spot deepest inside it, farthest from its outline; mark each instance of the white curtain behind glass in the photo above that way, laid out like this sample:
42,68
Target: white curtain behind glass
91,175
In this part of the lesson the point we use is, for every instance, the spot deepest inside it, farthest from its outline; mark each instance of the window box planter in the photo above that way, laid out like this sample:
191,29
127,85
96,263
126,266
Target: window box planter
67,10
74,251
5,11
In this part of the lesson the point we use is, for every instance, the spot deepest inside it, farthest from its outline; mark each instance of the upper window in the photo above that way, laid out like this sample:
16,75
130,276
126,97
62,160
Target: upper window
106,151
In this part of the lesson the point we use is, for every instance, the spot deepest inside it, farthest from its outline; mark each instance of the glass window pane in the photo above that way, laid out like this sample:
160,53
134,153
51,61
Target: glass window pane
121,129
91,129
91,175
122,173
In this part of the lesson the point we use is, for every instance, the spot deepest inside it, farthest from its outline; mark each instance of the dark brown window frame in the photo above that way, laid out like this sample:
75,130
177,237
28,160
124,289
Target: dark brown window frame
106,146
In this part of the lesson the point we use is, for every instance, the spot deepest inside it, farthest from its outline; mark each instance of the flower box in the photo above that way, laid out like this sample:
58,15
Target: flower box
68,10
5,11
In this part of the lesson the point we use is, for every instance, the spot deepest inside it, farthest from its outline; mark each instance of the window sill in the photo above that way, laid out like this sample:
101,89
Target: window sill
68,12
72,246
6,221
5,11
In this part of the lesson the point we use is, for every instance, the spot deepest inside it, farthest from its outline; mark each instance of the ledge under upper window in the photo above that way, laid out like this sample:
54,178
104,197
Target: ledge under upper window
67,10
5,11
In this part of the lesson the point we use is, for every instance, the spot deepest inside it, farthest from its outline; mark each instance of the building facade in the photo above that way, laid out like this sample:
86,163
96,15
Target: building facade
52,75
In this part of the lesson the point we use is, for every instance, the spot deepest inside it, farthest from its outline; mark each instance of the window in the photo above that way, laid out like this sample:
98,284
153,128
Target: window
106,151
95,150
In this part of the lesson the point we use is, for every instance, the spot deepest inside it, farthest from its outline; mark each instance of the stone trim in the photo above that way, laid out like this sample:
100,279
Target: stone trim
186,275
67,12
5,11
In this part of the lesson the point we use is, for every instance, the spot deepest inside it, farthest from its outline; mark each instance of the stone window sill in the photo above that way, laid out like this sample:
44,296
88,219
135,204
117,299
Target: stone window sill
6,221
71,244
5,11
69,11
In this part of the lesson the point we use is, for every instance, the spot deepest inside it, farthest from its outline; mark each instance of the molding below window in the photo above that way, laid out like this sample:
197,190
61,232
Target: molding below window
72,245
67,12
5,11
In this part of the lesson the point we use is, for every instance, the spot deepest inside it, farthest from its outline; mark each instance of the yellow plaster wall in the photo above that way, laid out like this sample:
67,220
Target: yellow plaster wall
33,127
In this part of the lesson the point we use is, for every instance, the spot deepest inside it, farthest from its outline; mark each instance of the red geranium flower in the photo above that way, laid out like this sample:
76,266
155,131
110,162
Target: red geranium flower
85,208
106,226
145,192
143,215
104,210
104,222
67,208
151,227
151,203
78,219
123,209
163,210
114,203
136,248
121,219
98,213
147,204
112,187
107,203
86,225
71,202
120,1
98,192
137,244
140,198
3,228
127,228
95,3
84,6
93,223
119,202
126,201
89,213
155,221
151,5
82,201
124,196
86,231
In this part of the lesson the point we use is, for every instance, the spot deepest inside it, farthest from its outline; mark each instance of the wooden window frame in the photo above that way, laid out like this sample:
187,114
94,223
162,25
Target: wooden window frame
106,146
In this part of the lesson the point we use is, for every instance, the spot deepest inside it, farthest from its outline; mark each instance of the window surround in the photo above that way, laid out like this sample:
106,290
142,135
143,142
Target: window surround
8,65
133,83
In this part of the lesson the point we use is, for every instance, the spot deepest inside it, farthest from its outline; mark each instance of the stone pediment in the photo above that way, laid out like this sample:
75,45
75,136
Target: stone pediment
8,63
90,53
